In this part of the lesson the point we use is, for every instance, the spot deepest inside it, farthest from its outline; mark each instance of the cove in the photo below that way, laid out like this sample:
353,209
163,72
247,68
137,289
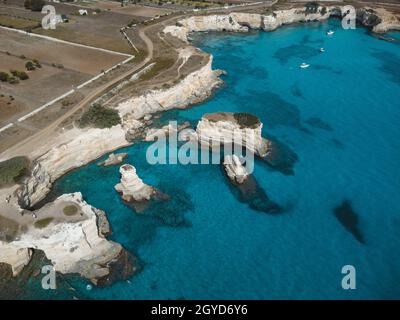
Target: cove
340,117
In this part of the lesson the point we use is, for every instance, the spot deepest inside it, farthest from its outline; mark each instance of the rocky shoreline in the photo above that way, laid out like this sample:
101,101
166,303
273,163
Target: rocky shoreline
94,257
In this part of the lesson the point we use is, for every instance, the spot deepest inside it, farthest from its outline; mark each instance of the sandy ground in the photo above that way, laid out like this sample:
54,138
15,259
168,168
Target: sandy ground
44,84
74,58
130,9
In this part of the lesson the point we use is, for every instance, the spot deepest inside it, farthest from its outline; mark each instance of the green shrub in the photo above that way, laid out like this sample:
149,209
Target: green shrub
312,7
43,223
4,76
13,170
246,120
34,5
13,80
22,75
37,63
70,210
100,117
30,66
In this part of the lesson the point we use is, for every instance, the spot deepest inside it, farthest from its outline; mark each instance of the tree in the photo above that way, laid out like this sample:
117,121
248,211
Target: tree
30,66
34,5
4,76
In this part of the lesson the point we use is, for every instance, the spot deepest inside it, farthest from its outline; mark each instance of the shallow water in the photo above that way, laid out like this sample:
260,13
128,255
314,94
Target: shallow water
340,117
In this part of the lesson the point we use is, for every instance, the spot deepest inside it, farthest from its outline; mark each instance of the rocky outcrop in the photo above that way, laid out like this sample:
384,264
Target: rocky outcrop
113,159
154,133
66,231
131,187
80,150
241,22
235,169
194,88
379,20
242,129
387,21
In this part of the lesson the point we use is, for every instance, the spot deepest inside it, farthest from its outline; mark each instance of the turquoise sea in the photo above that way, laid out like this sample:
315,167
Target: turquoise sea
339,119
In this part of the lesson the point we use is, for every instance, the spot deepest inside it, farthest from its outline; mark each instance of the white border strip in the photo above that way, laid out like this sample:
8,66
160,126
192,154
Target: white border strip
6,127
73,90
30,34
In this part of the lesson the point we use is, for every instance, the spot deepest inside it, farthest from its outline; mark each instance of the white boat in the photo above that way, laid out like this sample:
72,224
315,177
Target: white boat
321,50
304,65
330,32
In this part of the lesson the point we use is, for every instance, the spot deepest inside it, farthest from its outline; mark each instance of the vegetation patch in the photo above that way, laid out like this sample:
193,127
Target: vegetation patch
99,117
18,23
43,223
161,64
70,210
312,7
34,5
246,120
8,229
13,170
22,75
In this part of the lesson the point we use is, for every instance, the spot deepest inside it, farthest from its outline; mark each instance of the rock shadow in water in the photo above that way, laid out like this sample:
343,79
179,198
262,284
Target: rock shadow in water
168,210
319,124
251,193
280,158
389,62
275,110
295,90
349,219
300,51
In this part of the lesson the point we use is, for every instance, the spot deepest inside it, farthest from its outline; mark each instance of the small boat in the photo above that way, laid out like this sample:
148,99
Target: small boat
321,50
304,65
330,32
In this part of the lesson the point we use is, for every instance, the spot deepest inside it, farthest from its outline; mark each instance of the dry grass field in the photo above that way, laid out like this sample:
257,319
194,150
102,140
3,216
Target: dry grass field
63,66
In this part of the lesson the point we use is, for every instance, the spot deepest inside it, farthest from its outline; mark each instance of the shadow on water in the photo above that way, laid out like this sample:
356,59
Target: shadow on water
251,193
389,60
281,158
300,51
349,219
319,124
275,110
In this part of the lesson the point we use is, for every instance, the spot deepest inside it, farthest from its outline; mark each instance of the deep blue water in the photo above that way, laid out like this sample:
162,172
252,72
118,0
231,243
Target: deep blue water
341,117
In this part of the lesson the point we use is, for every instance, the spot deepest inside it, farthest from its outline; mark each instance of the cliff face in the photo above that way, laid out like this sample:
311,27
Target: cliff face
70,238
196,87
223,127
80,150
379,20
241,22
235,169
131,187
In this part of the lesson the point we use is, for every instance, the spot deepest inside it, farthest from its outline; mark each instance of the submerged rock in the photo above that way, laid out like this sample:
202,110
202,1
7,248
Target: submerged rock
248,191
113,159
280,157
349,219
235,169
132,187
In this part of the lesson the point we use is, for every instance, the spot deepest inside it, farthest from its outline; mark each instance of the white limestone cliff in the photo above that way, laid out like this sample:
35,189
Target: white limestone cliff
242,22
194,88
113,159
234,169
72,242
131,187
226,127
80,150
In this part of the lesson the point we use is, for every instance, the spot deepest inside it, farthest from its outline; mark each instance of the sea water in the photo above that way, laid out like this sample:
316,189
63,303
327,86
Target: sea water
340,117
